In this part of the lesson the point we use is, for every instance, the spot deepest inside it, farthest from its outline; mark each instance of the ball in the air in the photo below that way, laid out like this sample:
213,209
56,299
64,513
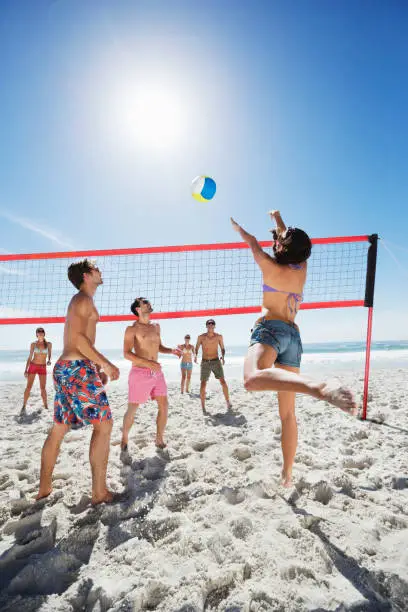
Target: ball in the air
203,188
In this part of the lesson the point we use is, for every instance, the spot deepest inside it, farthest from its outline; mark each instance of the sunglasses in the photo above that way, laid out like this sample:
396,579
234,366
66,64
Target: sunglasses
40,331
143,301
210,323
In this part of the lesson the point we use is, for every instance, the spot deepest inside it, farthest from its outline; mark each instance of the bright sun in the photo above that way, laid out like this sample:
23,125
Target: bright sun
149,116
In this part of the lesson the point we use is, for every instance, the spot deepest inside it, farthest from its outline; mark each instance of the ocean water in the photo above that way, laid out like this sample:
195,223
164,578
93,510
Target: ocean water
330,356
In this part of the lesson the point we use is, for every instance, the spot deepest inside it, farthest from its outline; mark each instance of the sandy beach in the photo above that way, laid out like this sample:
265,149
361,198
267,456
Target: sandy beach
204,525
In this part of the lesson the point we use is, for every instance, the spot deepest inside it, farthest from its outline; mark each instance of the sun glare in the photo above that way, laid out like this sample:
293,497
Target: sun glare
151,117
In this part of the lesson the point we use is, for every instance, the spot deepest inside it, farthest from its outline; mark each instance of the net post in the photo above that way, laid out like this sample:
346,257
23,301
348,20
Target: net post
369,303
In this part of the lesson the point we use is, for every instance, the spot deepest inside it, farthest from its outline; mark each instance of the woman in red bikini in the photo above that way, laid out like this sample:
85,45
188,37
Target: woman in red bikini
39,358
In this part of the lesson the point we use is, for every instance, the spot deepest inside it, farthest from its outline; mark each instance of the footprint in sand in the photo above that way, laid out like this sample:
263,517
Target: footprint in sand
399,482
233,496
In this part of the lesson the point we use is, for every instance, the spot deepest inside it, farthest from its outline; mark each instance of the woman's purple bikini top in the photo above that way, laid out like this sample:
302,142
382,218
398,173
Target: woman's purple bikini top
294,299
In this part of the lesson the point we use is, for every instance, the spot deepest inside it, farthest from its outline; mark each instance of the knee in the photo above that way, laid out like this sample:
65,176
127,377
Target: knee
106,427
250,382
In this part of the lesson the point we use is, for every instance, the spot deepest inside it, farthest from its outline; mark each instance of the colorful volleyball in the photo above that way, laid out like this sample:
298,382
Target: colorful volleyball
203,188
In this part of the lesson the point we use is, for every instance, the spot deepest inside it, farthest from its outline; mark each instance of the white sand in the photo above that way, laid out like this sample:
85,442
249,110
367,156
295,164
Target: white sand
204,526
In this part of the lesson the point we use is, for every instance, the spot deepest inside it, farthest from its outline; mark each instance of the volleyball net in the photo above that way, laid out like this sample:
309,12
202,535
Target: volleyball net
183,281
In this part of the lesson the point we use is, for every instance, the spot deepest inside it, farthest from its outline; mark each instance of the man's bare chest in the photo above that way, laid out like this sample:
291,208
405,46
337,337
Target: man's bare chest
147,336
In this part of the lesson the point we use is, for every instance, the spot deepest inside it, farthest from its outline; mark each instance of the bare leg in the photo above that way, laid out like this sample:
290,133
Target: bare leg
289,435
98,458
183,380
225,392
163,405
260,376
202,393
189,372
43,380
49,457
30,382
128,420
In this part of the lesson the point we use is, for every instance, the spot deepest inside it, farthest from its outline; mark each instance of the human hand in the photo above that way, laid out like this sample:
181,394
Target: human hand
26,374
111,370
177,352
104,378
154,366
235,225
274,213
48,362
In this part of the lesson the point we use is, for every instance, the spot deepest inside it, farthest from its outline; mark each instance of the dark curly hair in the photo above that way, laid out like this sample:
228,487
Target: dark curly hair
137,303
77,270
297,247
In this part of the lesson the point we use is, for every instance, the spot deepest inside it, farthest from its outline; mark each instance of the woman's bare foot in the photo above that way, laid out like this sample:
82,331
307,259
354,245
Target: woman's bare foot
42,494
160,443
123,446
286,480
106,498
341,397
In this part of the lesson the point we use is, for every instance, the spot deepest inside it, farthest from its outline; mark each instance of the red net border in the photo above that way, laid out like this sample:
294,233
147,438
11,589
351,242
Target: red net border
173,249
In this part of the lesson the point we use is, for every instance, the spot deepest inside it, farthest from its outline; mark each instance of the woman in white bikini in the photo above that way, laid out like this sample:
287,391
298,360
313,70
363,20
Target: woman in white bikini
275,351
39,358
186,365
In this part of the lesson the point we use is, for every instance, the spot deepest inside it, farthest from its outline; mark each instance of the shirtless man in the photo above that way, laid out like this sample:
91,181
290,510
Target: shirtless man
80,397
211,362
142,344
275,351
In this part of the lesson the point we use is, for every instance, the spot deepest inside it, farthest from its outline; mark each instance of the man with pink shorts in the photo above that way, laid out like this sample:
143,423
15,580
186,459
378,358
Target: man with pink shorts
142,345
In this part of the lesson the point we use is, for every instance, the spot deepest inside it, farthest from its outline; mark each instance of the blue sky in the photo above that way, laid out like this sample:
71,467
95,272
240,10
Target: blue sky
299,106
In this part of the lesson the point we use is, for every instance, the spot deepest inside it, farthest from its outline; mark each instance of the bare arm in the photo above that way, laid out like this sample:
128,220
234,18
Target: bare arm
128,353
198,344
276,216
30,356
259,254
169,351
222,347
49,353
166,350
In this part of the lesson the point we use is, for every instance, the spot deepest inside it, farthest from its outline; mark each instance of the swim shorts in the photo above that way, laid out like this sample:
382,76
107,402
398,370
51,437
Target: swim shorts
36,368
211,365
80,397
283,337
186,365
144,384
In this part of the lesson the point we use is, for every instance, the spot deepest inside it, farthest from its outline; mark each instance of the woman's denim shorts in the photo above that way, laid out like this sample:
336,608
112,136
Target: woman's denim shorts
283,337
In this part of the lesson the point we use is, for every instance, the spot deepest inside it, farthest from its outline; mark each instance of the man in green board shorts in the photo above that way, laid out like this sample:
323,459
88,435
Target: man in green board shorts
211,362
